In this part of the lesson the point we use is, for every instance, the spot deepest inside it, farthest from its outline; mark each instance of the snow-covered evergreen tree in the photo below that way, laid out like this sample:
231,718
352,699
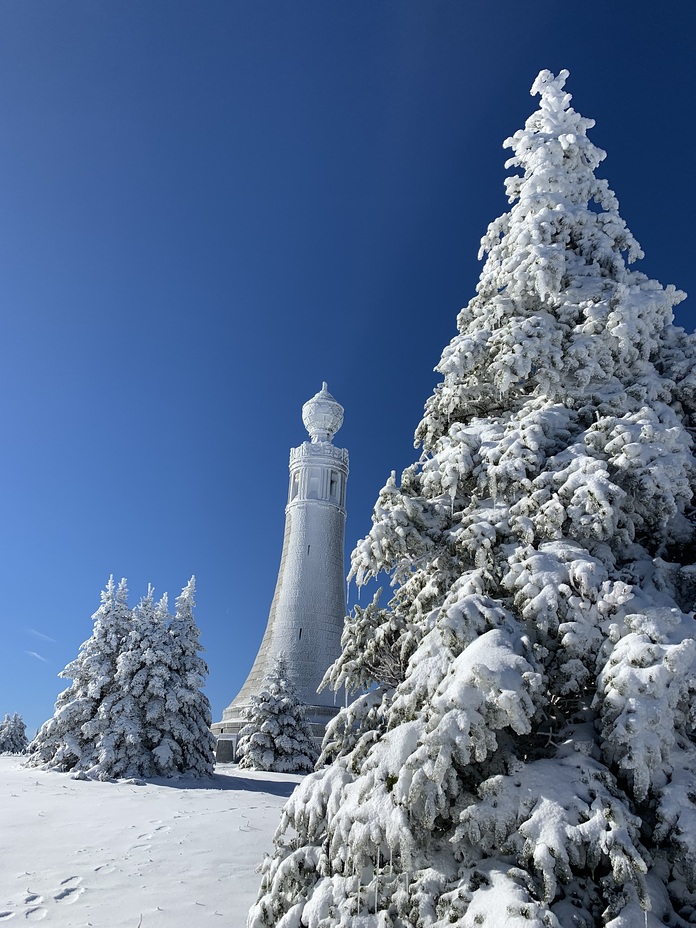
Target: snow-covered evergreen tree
188,727
135,706
277,735
532,761
156,721
68,740
131,716
13,735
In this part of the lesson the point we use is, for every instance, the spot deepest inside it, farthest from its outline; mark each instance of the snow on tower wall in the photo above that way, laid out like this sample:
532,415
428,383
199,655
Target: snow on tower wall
306,616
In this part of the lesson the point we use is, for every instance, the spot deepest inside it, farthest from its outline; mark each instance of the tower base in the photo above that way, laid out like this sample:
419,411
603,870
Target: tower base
227,731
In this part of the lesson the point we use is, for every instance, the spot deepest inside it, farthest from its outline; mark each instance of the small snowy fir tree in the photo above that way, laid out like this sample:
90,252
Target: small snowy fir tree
188,727
128,717
13,735
526,756
276,736
68,740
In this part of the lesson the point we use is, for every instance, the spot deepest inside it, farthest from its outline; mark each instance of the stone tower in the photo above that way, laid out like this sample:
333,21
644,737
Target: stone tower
306,617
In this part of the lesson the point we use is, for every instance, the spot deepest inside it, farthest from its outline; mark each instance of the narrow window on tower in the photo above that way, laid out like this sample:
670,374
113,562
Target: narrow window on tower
294,486
313,483
333,486
300,638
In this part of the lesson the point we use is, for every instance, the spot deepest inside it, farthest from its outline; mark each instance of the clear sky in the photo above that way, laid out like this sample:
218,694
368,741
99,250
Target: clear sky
206,209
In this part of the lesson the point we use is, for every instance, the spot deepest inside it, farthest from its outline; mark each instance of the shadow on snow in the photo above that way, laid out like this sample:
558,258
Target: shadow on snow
222,781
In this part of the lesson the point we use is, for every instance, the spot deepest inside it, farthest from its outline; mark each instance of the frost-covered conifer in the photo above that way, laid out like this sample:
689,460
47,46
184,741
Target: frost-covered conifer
13,735
277,735
133,742
135,707
188,725
535,764
68,740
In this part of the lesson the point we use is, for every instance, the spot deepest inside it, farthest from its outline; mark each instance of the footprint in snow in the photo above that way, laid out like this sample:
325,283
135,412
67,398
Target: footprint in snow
36,914
71,891
6,916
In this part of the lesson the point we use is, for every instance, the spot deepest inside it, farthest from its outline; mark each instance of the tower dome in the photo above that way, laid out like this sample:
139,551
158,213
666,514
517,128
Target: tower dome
322,415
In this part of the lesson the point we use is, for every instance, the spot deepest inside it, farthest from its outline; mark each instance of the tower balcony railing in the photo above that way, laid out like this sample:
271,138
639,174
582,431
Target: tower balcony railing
322,449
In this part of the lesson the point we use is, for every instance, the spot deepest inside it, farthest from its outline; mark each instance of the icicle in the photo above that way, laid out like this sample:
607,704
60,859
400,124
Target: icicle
345,697
391,857
377,882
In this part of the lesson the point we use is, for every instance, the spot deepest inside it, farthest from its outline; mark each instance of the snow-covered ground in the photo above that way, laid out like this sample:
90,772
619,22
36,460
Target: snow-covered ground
179,854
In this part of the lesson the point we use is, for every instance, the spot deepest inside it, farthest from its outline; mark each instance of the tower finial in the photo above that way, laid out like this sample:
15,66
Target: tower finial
322,415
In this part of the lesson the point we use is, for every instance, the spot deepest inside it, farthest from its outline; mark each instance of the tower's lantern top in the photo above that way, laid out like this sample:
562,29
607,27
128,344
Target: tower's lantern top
322,415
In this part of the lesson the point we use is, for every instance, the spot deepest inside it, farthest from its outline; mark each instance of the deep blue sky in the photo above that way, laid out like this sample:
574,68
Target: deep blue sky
206,209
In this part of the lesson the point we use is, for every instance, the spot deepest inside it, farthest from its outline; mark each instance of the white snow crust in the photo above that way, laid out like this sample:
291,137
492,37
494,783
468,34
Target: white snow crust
166,853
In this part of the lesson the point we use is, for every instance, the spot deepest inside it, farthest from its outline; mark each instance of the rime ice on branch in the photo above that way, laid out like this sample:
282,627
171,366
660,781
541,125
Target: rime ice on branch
527,755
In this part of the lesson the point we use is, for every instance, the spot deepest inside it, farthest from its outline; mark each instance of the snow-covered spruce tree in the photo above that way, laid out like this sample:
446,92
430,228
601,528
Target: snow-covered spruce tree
68,740
277,735
155,722
13,735
130,718
134,707
188,727
535,765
